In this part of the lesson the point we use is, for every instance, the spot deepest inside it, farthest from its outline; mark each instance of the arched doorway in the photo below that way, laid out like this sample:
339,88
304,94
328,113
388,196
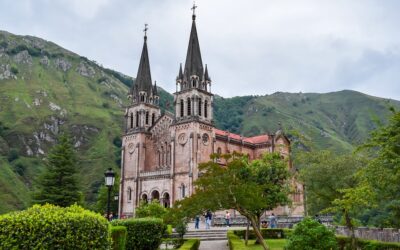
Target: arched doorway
166,201
144,198
155,195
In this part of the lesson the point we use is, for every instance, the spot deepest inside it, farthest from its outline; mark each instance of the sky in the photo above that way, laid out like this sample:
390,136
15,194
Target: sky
252,47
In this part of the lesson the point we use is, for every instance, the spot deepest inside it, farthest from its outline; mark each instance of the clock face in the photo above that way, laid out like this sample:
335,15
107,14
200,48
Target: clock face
205,138
182,138
131,148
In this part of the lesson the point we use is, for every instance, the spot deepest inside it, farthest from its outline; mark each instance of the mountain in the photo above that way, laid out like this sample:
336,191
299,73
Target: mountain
45,89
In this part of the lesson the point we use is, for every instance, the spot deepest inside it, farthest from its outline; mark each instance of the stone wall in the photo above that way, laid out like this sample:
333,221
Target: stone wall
381,234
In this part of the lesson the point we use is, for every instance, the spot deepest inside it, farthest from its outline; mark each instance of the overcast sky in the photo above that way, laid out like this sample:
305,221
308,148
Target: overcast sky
251,47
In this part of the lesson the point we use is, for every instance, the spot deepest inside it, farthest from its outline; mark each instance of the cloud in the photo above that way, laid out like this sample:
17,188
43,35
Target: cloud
251,47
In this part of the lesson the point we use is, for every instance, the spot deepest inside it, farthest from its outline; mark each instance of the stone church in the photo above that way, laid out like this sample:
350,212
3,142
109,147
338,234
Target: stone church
161,151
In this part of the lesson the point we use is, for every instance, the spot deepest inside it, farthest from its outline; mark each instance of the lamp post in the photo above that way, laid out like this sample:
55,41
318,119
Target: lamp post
109,179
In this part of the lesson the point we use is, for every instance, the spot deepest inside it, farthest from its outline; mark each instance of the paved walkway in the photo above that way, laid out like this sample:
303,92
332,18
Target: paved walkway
214,245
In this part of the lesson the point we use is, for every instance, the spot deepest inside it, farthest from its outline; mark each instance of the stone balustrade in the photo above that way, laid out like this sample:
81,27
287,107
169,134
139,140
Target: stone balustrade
380,234
161,172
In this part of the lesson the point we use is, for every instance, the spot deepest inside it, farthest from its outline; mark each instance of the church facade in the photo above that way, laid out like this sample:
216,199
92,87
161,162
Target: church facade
161,151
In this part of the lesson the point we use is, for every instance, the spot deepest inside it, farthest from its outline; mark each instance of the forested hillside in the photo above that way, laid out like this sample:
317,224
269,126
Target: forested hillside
45,89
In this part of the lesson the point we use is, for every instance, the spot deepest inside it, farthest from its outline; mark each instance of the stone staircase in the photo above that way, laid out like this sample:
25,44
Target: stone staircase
206,235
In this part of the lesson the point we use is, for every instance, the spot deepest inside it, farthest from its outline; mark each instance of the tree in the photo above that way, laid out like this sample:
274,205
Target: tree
383,171
152,209
250,187
310,234
58,184
334,184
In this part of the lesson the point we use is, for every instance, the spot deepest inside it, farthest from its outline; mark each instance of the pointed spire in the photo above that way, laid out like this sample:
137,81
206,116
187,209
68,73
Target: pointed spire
143,79
180,74
193,64
155,91
206,76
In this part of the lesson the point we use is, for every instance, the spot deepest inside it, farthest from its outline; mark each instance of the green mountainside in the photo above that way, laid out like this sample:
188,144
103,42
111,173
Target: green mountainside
45,89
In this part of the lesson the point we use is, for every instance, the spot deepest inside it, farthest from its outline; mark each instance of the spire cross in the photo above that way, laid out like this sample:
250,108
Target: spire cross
194,8
145,29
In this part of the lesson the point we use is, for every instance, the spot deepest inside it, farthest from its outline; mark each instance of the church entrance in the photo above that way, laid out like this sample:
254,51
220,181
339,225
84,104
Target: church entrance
155,195
165,200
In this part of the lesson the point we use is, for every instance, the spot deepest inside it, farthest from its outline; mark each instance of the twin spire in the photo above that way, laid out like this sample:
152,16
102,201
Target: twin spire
193,74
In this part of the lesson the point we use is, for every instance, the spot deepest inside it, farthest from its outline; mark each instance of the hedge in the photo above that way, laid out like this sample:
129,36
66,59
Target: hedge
345,244
267,233
118,235
190,244
53,227
142,233
234,241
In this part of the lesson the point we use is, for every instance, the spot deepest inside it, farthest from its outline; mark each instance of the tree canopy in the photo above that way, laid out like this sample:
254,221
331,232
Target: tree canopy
250,187
59,184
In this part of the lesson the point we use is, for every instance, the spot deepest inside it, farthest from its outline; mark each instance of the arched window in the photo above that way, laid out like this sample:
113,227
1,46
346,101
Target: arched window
131,120
183,190
144,198
147,117
162,156
193,82
189,107
137,118
153,118
182,108
142,98
205,109
200,107
159,158
170,155
129,193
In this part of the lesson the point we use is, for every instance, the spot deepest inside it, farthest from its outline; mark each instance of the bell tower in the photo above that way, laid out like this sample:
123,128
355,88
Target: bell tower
193,97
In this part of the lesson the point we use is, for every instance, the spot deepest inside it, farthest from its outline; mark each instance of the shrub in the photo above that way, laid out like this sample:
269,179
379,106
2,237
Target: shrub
143,233
14,70
267,233
152,209
118,235
53,227
345,243
310,234
235,242
190,244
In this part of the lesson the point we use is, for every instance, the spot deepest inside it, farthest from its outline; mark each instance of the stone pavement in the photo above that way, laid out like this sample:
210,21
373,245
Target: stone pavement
214,245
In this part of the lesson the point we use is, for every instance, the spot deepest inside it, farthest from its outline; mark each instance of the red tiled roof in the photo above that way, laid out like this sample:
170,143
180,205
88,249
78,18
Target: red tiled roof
254,139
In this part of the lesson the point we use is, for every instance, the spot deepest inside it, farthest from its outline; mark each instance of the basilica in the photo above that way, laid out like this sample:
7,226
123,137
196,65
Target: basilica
161,151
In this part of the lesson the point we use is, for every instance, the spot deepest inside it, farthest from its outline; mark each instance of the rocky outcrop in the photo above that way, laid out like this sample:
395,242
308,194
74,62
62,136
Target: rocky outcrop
85,70
62,64
6,73
45,61
23,57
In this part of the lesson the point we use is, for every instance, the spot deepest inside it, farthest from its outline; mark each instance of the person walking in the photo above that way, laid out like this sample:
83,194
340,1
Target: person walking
196,222
227,219
208,219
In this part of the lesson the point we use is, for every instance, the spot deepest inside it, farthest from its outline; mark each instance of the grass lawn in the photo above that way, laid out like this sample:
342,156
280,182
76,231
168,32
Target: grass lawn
274,244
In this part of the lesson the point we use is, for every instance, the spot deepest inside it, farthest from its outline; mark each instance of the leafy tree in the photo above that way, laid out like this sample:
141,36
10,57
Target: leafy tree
333,184
101,204
310,234
383,170
152,209
249,187
58,184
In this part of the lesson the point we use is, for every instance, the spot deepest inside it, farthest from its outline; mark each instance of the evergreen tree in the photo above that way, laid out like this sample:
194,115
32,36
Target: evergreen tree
58,184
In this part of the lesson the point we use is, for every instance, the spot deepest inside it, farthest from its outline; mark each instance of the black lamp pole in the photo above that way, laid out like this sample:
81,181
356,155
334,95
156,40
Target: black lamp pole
109,179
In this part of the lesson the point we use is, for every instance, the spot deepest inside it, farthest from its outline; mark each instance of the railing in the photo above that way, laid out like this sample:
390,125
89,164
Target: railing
380,234
160,172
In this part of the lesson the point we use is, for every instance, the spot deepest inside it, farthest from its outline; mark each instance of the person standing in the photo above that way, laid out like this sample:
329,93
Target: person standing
272,221
196,222
227,219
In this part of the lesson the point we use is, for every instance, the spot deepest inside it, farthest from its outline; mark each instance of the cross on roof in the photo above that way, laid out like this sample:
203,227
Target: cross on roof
194,8
145,29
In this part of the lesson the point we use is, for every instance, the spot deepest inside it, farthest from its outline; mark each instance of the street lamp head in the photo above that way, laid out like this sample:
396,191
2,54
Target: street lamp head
109,177
116,197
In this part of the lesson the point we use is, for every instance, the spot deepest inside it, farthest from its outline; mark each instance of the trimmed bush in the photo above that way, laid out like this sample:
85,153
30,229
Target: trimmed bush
190,244
118,235
345,244
310,234
234,241
142,233
267,233
53,227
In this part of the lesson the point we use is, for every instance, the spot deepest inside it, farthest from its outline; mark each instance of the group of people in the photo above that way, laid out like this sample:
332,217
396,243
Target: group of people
208,218
272,222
